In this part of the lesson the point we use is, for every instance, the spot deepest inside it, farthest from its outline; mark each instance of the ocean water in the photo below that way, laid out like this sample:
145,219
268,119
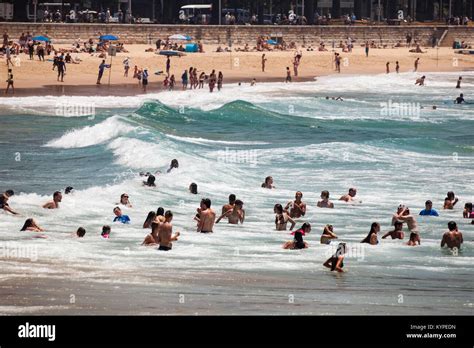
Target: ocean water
228,142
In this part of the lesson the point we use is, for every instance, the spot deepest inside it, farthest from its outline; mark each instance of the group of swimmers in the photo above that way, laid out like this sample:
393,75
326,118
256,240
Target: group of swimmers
160,222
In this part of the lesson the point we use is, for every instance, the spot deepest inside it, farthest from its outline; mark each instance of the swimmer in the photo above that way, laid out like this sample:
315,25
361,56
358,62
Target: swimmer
414,238
120,217
31,225
150,240
350,196
149,219
254,82
124,200
4,197
450,200
207,216
297,207
81,232
336,261
328,234
420,81
165,233
174,164
68,190
193,188
234,215
298,242
268,183
54,204
458,84
282,218
452,238
325,202
467,212
403,215
429,211
150,181
157,221
460,99
106,232
372,236
397,233
230,205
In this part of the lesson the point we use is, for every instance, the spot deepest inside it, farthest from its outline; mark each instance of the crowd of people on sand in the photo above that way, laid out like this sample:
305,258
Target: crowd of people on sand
161,234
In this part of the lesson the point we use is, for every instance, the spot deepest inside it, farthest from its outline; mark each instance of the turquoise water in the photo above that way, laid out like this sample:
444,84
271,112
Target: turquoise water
228,143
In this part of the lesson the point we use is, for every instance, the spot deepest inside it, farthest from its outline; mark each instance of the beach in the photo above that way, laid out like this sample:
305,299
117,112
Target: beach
37,78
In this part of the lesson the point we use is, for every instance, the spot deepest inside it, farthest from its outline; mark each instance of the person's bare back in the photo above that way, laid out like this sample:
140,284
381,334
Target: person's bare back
208,217
453,239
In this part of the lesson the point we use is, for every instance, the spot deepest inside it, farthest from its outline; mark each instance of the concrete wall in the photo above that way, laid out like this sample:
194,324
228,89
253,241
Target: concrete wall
65,33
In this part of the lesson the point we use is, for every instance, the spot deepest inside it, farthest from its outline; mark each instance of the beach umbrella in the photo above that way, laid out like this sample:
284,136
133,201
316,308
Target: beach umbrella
108,38
171,53
41,38
180,37
272,42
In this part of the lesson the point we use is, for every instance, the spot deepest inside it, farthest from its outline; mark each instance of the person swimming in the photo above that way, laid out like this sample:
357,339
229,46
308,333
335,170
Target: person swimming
68,190
467,212
54,204
336,261
429,211
268,183
120,217
450,200
460,99
150,182
325,202
106,232
31,225
282,218
193,188
298,242
328,235
372,236
174,164
397,233
420,81
349,197
81,232
4,197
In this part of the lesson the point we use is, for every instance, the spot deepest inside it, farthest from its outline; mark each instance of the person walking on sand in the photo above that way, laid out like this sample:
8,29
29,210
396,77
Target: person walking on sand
264,60
397,67
126,67
337,61
417,62
61,65
367,48
388,67
145,76
220,80
102,67
184,80
168,66
10,82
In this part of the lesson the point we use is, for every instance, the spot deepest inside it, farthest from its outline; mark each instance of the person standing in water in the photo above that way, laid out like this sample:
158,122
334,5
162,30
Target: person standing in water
234,215
325,202
174,164
397,233
372,236
397,67
184,80
452,238
165,233
61,68
54,204
458,84
268,183
429,211
450,200
336,261
298,242
403,215
230,205
282,218
120,217
350,196
207,217
124,200
220,80
288,75
145,76
417,62
328,235
460,99
414,239
297,207
388,67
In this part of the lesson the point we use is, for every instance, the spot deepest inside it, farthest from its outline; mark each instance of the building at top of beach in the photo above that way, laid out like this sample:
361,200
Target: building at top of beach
167,11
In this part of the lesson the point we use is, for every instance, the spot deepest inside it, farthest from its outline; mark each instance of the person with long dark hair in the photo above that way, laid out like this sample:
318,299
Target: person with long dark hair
149,219
372,236
31,225
336,261
282,218
298,242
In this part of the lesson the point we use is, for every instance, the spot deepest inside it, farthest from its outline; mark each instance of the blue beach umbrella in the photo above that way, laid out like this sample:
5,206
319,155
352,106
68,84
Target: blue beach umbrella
108,38
272,42
180,37
41,38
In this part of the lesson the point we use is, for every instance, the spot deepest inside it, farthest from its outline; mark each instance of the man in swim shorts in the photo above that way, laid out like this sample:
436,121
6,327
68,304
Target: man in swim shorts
207,216
230,205
165,233
452,238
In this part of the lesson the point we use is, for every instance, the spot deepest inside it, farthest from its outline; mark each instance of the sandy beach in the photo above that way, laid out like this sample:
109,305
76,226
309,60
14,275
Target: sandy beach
38,78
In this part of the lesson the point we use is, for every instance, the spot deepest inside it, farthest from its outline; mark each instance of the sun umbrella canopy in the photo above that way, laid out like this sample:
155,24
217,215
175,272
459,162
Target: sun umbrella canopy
172,53
180,37
41,38
108,38
272,42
